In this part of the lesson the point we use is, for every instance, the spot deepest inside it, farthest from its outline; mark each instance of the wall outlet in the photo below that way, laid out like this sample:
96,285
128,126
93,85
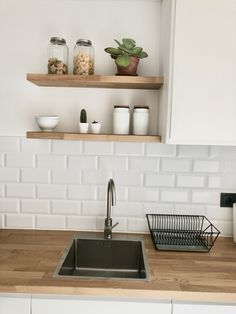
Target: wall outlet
227,199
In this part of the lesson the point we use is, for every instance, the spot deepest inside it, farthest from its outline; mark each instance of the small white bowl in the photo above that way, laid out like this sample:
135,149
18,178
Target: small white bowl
47,123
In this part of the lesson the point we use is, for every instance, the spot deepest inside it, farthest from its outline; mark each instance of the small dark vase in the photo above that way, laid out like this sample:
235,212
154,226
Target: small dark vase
129,70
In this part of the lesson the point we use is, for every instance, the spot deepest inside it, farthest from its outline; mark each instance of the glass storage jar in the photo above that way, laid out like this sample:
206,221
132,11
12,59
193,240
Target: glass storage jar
58,56
121,118
140,120
83,58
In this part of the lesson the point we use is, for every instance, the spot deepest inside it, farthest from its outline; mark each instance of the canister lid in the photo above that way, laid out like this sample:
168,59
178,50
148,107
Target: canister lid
57,41
84,42
141,107
117,106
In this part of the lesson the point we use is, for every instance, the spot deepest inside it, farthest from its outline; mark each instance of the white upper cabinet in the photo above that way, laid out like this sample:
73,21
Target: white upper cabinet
198,100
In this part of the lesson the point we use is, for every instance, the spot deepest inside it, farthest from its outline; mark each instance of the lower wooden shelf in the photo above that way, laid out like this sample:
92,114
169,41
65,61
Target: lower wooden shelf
91,137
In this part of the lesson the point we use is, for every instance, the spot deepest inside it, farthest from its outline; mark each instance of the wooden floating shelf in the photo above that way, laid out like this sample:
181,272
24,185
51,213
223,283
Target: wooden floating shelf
96,81
92,137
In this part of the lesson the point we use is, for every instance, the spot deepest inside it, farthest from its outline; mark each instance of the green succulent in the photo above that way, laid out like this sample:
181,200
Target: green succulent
124,50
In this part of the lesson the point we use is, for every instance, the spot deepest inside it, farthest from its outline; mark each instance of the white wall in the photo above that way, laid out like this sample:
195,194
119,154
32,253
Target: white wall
62,185
25,29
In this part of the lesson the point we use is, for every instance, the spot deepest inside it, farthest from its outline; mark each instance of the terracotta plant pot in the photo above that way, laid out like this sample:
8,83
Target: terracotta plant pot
129,70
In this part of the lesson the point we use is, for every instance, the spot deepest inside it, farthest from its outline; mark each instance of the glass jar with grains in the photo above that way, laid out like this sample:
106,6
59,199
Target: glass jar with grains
83,57
58,56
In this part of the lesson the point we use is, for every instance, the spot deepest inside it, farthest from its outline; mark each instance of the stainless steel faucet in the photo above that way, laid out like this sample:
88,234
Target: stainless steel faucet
111,201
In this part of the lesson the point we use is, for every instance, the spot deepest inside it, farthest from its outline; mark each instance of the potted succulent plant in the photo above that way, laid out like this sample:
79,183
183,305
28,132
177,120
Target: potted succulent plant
83,125
95,127
127,56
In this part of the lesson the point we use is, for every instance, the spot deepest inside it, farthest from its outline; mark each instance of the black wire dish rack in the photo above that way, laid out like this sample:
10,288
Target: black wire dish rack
182,232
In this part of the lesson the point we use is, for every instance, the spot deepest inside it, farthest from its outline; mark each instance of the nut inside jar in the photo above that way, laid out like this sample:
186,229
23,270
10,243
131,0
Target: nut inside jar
83,64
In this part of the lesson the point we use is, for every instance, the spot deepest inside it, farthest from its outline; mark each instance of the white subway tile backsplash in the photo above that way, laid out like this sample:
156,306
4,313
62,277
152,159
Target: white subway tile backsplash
9,205
94,208
125,178
66,147
174,196
143,164
121,193
20,190
19,221
214,182
20,160
190,209
125,148
2,221
34,146
205,197
176,165
225,227
193,151
65,207
50,161
127,209
51,191
160,180
96,177
35,206
228,182
2,190
63,184
9,144
82,162
50,222
66,176
143,194
97,148
112,163
206,166
35,175
81,223
219,213
137,224
190,181
81,192
230,166
9,175
161,150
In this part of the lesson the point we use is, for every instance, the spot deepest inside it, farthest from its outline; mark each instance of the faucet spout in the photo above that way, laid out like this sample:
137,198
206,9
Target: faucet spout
111,201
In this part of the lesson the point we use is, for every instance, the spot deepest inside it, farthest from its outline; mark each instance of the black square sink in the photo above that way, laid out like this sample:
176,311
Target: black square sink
96,257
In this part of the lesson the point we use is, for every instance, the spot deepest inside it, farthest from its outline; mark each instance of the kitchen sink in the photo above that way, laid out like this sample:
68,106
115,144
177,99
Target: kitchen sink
96,257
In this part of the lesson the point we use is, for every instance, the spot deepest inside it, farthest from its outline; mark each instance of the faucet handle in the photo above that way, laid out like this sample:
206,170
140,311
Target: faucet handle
117,223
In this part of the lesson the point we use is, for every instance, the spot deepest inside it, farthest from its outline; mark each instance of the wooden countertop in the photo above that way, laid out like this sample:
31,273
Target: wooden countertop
28,259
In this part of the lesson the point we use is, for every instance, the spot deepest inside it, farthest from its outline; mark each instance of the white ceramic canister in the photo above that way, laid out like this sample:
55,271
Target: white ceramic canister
121,118
140,120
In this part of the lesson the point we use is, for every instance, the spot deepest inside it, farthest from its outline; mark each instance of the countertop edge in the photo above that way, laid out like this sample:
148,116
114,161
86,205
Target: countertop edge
164,295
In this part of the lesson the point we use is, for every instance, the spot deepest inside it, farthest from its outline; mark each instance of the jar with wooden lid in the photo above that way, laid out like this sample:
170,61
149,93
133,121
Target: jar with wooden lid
140,120
121,119
83,57
58,56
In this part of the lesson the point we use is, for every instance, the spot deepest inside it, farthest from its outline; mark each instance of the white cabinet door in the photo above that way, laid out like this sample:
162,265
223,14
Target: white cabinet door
14,304
203,309
73,305
202,72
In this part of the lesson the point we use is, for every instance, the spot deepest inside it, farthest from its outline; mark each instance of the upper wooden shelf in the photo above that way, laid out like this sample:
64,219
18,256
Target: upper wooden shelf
91,137
101,81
